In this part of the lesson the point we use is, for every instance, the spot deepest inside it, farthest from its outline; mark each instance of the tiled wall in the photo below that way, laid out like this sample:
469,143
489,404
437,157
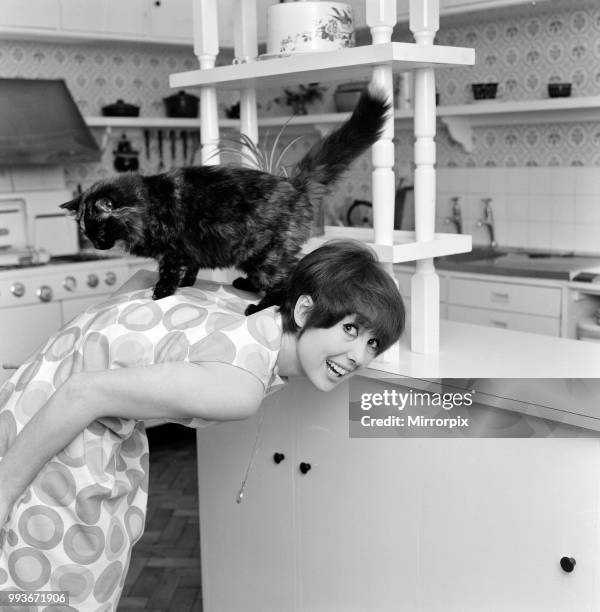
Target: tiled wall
537,208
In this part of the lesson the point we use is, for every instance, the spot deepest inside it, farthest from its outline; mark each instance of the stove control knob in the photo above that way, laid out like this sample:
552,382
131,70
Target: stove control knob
70,283
110,278
18,290
92,280
45,293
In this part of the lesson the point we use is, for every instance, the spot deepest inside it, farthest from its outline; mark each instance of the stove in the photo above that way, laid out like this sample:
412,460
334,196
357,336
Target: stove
63,278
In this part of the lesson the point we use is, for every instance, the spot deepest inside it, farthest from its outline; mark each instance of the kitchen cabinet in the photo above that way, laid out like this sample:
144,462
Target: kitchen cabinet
497,302
106,17
318,540
23,329
33,14
151,21
505,305
391,524
170,20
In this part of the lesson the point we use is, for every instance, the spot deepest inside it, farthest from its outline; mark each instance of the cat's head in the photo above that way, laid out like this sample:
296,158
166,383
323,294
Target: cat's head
110,210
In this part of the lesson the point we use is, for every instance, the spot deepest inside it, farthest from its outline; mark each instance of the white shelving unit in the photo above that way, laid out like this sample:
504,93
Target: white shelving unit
379,61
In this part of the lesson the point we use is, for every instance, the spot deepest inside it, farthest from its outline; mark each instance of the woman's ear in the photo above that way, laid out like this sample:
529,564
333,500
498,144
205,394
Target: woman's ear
302,309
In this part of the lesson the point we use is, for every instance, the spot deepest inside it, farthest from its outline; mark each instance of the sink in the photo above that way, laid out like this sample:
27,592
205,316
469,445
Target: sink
478,253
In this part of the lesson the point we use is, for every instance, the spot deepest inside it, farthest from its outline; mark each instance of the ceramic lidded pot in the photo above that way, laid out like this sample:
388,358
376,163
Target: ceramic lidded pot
304,27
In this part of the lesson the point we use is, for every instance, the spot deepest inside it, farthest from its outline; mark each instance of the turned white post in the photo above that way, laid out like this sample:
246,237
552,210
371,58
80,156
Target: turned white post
425,286
381,18
206,48
246,49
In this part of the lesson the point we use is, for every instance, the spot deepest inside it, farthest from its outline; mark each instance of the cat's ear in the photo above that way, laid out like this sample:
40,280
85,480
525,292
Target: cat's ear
72,205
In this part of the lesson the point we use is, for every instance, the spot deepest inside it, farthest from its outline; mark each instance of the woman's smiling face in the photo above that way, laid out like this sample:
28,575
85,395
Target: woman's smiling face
327,356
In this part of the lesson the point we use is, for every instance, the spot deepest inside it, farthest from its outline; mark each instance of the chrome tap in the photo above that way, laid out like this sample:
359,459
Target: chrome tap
488,220
456,217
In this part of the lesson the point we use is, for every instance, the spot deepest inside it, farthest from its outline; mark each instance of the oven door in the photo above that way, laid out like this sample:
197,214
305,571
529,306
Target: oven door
22,330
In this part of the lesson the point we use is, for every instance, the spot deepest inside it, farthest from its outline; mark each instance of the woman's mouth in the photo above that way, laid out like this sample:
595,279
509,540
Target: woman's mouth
335,369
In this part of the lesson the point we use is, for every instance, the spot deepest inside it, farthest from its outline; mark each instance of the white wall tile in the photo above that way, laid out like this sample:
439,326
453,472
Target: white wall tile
587,181
587,209
563,236
587,238
563,208
540,235
517,180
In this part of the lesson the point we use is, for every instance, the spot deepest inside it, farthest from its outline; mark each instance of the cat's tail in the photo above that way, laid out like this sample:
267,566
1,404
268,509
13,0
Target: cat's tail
328,159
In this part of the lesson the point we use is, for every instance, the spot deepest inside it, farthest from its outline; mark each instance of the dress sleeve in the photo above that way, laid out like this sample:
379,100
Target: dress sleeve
250,343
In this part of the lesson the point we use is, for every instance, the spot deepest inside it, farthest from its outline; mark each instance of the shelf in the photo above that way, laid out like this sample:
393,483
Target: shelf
354,63
457,117
461,119
404,248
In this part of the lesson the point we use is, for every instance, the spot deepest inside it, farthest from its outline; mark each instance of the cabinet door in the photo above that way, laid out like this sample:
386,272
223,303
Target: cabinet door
106,17
22,330
248,549
357,521
171,20
44,14
496,518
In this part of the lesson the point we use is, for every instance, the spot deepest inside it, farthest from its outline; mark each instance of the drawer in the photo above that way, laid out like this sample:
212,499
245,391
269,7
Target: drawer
548,326
505,297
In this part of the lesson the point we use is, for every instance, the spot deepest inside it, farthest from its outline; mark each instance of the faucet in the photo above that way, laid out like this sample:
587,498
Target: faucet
456,217
488,220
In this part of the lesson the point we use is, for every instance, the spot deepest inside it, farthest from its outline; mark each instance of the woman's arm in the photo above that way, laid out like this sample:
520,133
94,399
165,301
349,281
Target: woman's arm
213,391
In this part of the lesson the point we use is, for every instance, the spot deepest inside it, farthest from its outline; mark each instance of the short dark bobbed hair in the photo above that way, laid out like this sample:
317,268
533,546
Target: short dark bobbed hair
343,277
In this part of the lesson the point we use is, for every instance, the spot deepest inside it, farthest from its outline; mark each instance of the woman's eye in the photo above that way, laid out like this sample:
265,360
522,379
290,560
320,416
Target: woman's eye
351,329
374,344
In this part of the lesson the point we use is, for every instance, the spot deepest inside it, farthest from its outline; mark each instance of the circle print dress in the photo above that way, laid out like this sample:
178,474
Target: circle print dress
74,527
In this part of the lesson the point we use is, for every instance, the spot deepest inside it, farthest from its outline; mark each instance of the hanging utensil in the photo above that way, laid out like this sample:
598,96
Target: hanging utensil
184,145
173,139
161,163
147,143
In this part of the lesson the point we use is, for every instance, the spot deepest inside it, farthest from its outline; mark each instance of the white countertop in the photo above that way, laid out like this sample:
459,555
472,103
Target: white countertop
473,351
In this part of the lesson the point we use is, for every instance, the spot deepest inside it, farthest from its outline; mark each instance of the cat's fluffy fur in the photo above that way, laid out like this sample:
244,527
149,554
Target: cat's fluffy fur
221,216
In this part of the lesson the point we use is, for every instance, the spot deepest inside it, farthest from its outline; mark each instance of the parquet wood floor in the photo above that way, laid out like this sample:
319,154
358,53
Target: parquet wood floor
164,575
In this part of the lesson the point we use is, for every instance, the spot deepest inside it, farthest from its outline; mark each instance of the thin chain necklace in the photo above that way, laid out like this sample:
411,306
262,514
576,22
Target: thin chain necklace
240,495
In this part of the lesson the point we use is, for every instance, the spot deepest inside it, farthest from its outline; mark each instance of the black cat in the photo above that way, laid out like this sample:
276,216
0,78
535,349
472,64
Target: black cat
221,216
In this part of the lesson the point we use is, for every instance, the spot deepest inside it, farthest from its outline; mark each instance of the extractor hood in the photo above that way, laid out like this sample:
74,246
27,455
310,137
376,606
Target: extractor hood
41,124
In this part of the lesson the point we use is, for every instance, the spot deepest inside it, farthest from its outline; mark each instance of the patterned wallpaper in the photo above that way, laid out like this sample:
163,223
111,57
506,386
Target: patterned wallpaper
522,48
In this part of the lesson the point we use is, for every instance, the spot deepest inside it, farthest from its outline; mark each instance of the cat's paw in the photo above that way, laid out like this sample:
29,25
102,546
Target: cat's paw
243,284
161,292
251,309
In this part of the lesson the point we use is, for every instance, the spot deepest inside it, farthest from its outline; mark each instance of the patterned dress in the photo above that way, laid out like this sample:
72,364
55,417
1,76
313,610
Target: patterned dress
74,527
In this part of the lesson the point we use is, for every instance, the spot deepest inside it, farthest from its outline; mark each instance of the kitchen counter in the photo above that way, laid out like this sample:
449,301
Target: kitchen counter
517,263
473,351
558,267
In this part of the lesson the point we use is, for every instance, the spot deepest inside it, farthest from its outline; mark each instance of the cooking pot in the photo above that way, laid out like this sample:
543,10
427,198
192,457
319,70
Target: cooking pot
120,109
181,104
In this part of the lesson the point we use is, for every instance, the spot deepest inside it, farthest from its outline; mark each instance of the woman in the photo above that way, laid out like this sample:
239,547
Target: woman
73,478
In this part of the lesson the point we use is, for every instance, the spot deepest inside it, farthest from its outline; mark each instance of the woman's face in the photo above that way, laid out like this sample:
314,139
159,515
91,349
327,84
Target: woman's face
327,356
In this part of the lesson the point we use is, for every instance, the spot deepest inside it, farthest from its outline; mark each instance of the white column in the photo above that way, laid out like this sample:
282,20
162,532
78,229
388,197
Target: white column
206,48
425,286
381,18
246,49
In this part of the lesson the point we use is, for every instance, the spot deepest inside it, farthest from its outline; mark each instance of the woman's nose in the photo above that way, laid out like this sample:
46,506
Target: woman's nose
358,353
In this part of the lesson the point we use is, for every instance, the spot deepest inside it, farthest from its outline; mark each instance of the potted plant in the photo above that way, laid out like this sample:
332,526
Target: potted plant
299,98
